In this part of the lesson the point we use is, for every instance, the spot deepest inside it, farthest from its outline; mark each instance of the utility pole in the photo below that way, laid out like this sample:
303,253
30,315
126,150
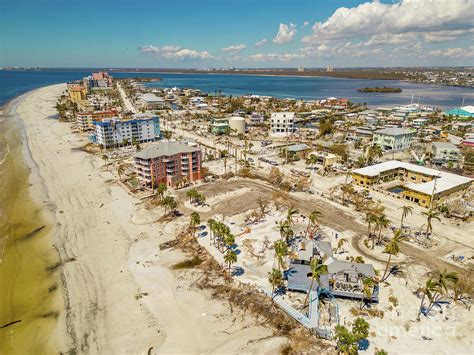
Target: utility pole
434,188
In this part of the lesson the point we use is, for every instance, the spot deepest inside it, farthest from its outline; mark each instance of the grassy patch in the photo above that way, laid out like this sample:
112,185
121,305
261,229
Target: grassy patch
187,264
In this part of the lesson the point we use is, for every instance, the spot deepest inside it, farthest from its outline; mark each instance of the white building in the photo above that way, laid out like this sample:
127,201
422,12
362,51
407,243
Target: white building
237,124
443,153
394,139
150,101
112,132
283,122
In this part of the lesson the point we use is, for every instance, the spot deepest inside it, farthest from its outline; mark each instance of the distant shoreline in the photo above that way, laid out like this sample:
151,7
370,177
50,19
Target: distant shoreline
342,74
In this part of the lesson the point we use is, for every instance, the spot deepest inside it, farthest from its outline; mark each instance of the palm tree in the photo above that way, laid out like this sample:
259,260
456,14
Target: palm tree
275,278
281,250
346,189
230,258
340,244
368,286
212,225
195,219
167,135
168,203
160,190
105,158
446,279
392,248
381,222
430,215
283,228
317,270
290,215
312,222
370,218
120,171
192,194
431,287
406,210
311,160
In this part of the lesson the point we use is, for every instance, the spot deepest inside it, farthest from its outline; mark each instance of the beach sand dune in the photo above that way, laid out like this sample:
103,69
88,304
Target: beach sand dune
120,296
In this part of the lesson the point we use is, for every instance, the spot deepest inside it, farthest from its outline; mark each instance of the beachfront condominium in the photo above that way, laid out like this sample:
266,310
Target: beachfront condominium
85,120
170,163
113,132
394,139
283,123
77,92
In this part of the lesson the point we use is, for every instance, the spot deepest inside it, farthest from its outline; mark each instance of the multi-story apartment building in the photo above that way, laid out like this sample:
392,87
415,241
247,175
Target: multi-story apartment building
112,132
76,92
443,153
168,163
415,183
394,139
85,120
283,122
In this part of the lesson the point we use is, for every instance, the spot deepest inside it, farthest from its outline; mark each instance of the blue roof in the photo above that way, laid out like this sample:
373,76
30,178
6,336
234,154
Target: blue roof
459,112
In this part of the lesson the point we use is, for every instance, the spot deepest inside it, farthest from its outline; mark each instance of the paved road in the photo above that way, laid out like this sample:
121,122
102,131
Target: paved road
126,101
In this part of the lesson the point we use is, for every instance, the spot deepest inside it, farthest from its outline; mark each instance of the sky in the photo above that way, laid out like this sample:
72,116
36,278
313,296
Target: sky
236,33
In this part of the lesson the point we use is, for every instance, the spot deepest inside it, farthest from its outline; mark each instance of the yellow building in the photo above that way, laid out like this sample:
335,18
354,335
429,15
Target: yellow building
418,184
77,93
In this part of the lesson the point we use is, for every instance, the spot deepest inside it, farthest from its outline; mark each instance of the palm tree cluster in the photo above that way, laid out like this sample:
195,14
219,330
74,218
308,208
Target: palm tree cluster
195,197
194,220
380,222
169,203
347,341
371,154
311,161
223,240
220,235
436,287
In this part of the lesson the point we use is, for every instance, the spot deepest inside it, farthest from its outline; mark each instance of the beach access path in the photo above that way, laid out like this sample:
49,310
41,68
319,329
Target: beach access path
120,295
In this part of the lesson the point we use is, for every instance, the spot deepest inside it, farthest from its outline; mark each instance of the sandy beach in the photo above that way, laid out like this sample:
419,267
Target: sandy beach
119,293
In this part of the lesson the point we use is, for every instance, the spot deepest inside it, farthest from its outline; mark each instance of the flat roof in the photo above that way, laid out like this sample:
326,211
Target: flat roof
444,145
394,131
444,180
164,149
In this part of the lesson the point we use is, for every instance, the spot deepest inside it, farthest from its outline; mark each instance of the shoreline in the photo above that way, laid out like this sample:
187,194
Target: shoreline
120,294
27,251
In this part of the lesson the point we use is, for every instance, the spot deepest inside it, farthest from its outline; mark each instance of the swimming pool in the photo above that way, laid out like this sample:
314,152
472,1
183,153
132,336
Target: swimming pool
396,189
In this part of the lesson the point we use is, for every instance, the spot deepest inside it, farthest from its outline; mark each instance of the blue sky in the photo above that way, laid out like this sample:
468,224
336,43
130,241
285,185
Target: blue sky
240,33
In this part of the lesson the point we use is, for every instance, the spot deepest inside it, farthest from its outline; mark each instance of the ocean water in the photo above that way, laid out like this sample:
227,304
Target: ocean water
13,83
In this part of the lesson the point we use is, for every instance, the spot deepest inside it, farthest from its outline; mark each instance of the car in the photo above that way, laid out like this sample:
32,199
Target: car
250,160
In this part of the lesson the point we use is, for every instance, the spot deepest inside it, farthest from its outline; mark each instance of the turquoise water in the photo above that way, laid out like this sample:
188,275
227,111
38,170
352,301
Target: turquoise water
13,83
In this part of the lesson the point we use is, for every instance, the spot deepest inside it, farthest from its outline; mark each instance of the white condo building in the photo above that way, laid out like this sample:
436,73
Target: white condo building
113,132
283,122
394,139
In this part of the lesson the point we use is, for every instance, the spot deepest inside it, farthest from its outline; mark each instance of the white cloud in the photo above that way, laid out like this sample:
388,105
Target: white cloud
443,36
454,52
261,43
405,16
285,34
234,48
270,57
306,23
175,52
388,39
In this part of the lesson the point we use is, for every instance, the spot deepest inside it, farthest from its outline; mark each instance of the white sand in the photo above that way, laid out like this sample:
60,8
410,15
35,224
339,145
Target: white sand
117,258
